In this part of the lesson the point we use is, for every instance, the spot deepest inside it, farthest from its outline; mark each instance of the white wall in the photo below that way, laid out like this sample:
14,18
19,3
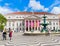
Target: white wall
53,19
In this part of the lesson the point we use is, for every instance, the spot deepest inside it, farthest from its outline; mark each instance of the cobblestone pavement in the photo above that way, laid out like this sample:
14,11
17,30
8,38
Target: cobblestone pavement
19,39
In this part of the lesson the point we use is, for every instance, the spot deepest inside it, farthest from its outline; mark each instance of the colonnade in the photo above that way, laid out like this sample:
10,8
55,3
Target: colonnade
32,25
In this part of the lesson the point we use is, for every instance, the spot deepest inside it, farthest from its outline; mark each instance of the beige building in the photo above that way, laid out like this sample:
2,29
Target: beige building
28,21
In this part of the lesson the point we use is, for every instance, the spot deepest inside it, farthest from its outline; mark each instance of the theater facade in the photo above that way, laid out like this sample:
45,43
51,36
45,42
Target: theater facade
30,21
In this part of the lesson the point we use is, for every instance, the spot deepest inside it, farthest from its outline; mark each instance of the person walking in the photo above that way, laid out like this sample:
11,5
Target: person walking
10,34
4,34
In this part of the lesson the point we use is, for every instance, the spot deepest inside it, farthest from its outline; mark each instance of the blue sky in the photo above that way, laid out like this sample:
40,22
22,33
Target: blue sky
8,6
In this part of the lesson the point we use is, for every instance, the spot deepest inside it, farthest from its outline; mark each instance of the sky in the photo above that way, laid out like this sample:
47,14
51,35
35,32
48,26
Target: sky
9,6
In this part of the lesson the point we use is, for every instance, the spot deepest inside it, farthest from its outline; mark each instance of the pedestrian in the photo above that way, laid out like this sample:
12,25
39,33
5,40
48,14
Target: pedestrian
10,34
4,34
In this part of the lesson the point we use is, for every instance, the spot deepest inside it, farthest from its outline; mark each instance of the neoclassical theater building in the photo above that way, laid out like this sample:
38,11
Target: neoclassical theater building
28,21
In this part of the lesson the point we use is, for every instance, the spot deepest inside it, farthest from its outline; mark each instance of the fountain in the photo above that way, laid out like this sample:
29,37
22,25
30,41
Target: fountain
44,24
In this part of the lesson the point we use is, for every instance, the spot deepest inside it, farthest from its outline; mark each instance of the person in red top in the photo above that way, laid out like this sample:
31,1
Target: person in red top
10,34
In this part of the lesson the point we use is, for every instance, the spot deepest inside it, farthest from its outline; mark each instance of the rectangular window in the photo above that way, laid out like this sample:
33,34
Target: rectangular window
50,23
53,23
17,24
23,29
20,28
53,28
20,24
36,28
13,24
56,23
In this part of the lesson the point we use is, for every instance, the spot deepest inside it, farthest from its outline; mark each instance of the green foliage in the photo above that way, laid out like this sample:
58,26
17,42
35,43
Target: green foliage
3,21
1,27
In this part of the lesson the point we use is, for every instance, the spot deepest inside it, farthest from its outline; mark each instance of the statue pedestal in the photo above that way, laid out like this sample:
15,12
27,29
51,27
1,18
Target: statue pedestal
35,33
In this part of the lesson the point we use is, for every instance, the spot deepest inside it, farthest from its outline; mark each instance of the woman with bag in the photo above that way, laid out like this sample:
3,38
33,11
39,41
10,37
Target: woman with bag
10,34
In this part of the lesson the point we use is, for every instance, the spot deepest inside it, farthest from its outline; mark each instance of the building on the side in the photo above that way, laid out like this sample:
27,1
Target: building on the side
27,21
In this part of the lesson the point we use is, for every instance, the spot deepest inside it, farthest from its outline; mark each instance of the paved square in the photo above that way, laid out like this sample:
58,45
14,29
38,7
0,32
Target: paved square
19,39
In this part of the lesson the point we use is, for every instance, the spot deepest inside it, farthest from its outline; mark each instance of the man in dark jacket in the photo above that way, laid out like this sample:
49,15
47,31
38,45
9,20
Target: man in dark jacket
4,35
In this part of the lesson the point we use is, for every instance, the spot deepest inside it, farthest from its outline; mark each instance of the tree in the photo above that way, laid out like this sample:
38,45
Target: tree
3,21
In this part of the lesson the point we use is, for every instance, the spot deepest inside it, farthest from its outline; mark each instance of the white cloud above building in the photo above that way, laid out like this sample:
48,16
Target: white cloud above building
56,10
45,9
56,2
32,5
35,5
5,10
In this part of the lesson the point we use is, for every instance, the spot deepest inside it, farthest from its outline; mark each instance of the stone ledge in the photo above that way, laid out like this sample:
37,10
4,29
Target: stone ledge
36,33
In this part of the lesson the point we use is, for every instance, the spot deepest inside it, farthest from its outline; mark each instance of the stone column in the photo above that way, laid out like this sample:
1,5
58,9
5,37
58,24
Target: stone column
37,25
28,25
25,25
31,25
34,25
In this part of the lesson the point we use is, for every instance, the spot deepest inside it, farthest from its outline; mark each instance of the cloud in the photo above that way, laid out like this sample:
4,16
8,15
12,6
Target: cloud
25,9
45,9
7,4
5,10
56,2
35,5
56,10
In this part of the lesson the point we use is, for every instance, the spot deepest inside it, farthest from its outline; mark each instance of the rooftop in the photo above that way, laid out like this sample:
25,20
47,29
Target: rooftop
42,13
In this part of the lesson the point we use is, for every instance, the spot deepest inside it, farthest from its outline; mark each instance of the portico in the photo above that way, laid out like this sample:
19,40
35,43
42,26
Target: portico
32,24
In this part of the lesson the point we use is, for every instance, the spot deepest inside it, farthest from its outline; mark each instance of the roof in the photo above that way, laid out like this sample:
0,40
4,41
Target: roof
42,13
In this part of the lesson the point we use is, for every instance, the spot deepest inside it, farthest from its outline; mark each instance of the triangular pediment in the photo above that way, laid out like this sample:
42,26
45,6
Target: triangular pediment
32,17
